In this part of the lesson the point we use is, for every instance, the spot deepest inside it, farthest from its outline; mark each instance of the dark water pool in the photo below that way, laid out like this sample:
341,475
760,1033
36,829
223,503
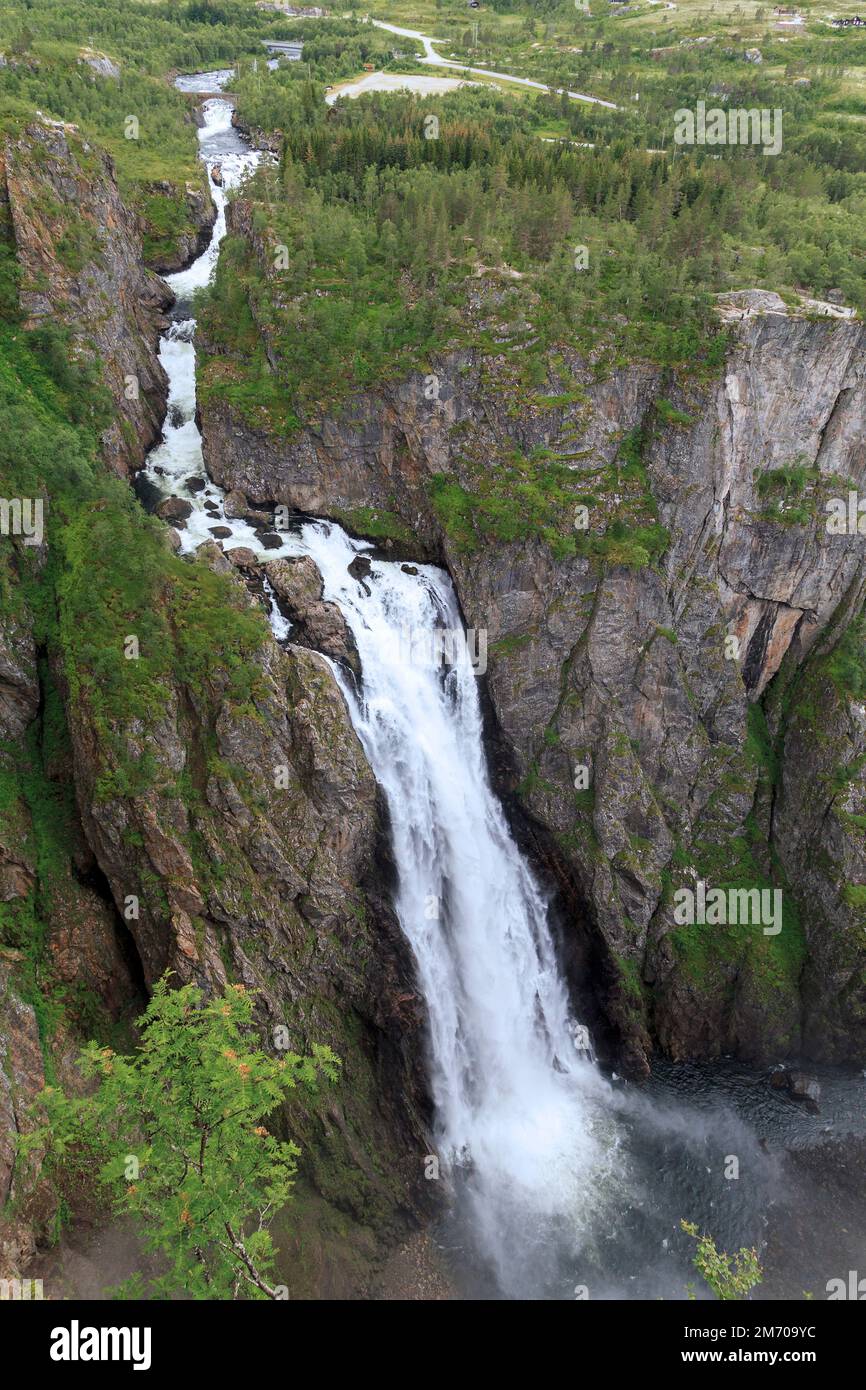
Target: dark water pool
719,1146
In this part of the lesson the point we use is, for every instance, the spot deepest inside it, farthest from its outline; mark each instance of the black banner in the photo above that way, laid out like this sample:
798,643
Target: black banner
86,1341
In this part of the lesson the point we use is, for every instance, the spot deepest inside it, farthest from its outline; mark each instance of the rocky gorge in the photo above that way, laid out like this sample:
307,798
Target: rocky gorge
636,747
686,688
253,847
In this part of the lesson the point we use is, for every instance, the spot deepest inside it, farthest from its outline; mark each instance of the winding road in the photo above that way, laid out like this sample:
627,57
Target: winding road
432,57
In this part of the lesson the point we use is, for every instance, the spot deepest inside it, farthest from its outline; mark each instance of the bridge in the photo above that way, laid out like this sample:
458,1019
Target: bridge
292,51
206,96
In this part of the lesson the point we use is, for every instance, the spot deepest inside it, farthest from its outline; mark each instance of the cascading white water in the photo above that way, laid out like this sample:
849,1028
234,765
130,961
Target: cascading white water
523,1117
520,1110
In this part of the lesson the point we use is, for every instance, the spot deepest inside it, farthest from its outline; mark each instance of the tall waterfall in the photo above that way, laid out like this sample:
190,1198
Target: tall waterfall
564,1184
522,1115
520,1109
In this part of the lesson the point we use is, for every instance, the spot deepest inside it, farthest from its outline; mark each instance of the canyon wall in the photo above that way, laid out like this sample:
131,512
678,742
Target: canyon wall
227,828
700,689
79,253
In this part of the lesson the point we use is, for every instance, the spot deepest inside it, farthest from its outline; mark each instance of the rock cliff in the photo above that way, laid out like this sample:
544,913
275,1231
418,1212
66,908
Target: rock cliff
79,252
225,828
670,692
252,855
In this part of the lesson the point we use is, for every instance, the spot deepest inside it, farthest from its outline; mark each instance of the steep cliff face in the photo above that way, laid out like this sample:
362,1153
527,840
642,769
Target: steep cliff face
77,255
250,857
664,656
178,220
64,967
221,822
247,845
79,252
21,1078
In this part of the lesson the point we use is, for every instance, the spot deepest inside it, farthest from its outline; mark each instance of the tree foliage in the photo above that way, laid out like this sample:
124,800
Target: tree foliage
176,1134
729,1276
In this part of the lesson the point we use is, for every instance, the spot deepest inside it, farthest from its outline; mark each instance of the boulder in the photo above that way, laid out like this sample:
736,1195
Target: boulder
237,507
243,557
799,1086
176,509
316,623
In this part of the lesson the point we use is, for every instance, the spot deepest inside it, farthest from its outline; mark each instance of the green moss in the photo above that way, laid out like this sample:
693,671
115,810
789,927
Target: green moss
377,524
535,496
790,493
79,242
759,746
509,644
708,953
630,980
167,224
854,895
668,414
846,666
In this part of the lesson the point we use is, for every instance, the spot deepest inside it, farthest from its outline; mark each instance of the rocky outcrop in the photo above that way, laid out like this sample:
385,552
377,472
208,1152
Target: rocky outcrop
636,700
270,140
79,251
317,624
244,840
21,1079
21,1073
196,215
819,830
65,967
254,857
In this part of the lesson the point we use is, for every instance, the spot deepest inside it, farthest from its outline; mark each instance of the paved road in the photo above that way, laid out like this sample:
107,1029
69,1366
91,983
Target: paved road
431,56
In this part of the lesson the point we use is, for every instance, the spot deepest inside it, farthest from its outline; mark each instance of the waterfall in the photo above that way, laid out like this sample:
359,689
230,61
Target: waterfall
523,1118
563,1182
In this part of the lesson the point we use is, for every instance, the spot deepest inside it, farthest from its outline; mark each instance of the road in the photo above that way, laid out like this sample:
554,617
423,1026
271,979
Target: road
431,56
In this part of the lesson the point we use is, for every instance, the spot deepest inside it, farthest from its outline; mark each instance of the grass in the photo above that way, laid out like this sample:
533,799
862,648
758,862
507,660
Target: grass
377,524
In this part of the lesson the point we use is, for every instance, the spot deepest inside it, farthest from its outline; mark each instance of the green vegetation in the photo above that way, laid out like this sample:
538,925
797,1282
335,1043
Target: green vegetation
108,574
774,962
334,49
85,601
669,414
846,666
788,493
202,1193
151,36
387,234
377,524
667,59
521,498
729,1276
57,61
398,247
243,379
768,966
